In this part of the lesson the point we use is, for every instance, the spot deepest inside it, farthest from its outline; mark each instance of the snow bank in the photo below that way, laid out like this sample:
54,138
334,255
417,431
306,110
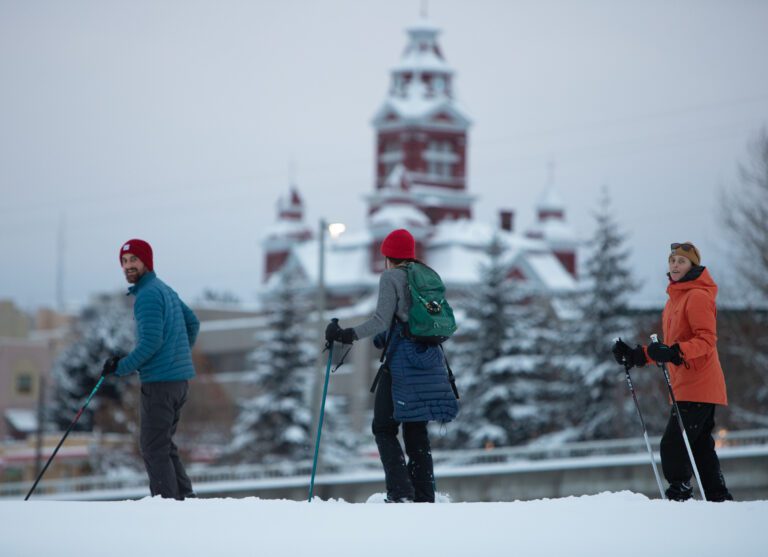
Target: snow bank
616,524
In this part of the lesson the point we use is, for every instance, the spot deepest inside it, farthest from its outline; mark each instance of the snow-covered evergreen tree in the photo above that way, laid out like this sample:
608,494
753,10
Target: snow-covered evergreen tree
510,391
603,302
105,327
539,391
491,305
483,331
274,425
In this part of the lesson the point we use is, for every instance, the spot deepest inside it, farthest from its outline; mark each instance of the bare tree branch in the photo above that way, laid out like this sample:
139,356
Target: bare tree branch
745,214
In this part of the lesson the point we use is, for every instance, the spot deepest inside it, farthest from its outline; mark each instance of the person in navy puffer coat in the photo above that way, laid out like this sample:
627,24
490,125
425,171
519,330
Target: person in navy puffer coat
166,329
412,389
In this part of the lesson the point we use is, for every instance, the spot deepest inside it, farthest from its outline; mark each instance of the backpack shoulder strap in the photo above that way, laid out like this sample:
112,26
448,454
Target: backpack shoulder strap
384,354
451,378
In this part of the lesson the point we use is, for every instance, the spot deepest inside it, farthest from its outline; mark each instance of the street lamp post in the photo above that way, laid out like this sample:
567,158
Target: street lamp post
335,230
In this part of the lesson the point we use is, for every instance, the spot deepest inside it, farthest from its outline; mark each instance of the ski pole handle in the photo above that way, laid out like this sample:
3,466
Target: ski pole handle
627,365
328,343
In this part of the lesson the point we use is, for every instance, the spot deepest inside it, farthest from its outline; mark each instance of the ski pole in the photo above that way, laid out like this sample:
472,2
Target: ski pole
322,414
645,430
655,338
56,450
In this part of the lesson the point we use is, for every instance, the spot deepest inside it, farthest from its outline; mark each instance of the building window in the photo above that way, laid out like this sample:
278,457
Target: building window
440,158
24,384
12,475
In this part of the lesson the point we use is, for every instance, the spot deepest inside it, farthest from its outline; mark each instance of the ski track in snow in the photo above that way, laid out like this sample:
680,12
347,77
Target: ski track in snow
615,524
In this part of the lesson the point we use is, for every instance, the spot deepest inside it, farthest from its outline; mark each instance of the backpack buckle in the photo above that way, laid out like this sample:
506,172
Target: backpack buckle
434,307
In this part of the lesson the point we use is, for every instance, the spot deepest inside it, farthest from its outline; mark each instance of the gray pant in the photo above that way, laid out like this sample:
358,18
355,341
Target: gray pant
161,405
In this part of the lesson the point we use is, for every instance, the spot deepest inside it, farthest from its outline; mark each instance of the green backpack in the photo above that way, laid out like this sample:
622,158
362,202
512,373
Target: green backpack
430,319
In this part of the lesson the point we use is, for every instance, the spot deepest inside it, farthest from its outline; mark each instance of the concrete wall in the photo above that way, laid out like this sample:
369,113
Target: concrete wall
746,476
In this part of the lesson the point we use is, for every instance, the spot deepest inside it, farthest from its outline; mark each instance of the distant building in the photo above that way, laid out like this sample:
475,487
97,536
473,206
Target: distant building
421,183
26,357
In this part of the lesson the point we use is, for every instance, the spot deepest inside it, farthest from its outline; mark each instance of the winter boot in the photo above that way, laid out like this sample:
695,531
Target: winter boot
399,500
719,496
425,492
679,491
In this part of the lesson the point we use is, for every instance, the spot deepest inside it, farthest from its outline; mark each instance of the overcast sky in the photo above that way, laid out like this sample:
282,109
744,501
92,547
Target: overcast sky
177,122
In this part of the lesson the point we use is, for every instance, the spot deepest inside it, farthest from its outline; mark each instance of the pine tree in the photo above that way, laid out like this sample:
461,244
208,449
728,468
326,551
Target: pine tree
274,425
539,391
492,305
105,327
510,392
483,331
604,315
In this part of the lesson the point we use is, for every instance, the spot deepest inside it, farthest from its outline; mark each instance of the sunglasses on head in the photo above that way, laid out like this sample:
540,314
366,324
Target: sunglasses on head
684,247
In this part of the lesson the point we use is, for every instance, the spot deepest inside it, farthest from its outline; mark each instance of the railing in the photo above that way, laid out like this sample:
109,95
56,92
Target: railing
463,458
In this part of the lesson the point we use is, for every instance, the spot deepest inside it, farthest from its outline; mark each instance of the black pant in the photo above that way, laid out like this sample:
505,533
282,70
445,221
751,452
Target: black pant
699,421
161,405
416,480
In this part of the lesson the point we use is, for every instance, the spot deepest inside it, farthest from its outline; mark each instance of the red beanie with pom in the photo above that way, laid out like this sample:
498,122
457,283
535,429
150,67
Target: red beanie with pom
399,244
140,249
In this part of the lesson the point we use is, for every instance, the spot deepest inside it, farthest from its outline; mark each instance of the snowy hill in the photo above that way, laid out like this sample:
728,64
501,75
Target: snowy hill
615,524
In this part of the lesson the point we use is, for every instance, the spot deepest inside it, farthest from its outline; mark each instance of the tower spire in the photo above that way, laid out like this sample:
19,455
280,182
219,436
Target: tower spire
551,173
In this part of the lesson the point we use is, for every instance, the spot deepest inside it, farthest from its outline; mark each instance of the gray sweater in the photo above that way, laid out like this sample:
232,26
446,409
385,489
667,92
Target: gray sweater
394,298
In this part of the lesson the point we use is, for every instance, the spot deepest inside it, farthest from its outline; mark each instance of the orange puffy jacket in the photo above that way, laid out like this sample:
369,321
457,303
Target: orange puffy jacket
689,320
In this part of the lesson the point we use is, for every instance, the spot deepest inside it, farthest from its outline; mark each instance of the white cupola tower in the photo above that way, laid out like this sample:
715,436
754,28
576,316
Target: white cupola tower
288,230
421,127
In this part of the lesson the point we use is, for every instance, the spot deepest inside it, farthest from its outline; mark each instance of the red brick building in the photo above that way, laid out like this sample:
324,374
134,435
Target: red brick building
421,183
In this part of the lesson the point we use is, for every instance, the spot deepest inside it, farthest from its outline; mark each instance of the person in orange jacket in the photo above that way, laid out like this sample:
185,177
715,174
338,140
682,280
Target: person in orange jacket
689,326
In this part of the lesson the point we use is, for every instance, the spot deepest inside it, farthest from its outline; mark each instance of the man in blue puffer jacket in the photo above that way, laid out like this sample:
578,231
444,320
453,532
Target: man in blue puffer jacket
166,329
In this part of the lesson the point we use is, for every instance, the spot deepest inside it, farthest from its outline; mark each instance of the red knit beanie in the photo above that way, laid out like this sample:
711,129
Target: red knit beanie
399,244
140,249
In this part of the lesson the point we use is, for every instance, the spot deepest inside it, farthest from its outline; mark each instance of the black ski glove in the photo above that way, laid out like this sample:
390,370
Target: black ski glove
627,356
380,340
110,366
335,333
662,353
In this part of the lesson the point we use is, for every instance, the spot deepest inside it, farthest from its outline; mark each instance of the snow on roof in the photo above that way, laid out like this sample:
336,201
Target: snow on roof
416,107
457,251
423,27
431,195
555,231
232,324
550,200
457,264
548,270
346,264
477,234
399,216
22,420
424,196
416,60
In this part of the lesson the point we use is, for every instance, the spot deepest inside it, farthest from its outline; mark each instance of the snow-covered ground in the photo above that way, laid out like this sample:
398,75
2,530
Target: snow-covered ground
613,524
